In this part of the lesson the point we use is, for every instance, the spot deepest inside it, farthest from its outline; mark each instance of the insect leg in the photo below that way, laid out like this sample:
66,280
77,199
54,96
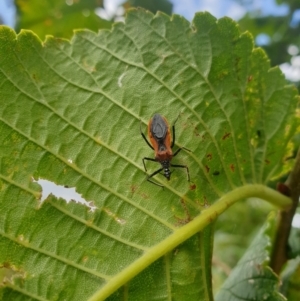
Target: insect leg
173,130
144,136
153,174
173,139
183,166
149,159
179,149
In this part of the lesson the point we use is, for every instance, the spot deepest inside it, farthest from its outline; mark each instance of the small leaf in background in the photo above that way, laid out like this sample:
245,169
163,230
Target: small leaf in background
231,240
164,6
294,239
291,280
59,17
252,278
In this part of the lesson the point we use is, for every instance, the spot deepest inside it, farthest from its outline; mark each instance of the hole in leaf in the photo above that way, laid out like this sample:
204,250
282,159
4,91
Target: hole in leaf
68,194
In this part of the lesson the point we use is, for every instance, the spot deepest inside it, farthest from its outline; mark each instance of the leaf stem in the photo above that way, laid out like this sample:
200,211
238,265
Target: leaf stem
206,217
280,255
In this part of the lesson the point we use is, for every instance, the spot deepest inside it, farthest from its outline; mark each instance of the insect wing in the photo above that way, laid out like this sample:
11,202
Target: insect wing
158,127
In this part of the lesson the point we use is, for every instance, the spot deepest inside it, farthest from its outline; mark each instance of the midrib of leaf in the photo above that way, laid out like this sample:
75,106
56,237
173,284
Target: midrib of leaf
187,231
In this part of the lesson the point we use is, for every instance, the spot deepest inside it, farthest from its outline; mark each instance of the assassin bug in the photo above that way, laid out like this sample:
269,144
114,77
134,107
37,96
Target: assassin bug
160,138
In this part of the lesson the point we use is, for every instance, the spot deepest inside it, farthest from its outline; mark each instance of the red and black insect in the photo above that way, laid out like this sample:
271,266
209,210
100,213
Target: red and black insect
160,138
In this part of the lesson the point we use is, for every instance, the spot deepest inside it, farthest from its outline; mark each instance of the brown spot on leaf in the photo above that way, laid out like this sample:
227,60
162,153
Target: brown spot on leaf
209,156
183,221
5,265
133,188
85,259
9,273
144,196
226,136
232,167
207,168
205,202
267,162
196,132
193,187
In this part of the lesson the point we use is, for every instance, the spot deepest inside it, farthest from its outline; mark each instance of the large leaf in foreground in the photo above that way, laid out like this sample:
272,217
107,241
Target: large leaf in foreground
70,113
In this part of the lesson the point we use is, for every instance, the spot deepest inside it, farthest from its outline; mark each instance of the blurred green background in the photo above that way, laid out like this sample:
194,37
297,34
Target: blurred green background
275,24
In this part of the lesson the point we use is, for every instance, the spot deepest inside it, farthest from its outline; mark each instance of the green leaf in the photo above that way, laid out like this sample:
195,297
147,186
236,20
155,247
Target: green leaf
70,113
294,243
59,17
231,240
291,280
252,278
